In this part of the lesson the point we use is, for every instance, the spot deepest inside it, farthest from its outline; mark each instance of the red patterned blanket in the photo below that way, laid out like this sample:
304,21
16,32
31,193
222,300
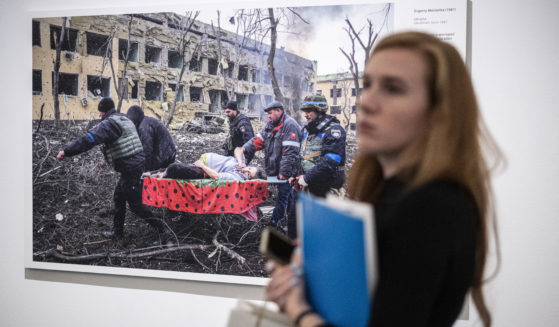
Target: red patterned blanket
204,196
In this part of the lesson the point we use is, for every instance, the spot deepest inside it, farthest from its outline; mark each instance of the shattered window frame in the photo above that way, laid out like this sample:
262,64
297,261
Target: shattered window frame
37,82
173,87
133,55
153,52
335,110
104,84
70,42
36,33
256,76
199,92
338,93
242,75
352,126
230,69
174,59
212,66
353,109
151,91
195,64
96,44
218,99
353,91
242,100
130,92
64,79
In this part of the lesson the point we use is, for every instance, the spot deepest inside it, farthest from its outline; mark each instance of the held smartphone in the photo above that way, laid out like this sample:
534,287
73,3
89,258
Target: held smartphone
276,246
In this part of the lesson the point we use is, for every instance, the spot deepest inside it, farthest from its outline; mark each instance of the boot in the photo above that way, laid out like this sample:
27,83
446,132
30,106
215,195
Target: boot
166,236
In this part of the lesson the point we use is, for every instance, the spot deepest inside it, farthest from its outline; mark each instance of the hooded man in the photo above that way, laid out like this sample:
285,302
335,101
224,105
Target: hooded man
159,147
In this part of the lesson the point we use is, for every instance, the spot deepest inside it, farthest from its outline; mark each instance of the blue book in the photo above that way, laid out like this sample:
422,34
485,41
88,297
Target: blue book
339,258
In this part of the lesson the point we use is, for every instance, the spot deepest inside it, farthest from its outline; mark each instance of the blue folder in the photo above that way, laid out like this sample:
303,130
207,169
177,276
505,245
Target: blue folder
338,258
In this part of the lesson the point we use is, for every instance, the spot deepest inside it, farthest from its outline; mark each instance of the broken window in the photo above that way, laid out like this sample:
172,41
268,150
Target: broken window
241,101
212,66
98,86
153,55
335,110
352,126
319,92
97,44
195,64
130,88
338,93
267,79
153,91
229,69
70,38
256,75
180,97
353,109
353,91
132,54
243,73
196,94
37,82
36,33
67,83
175,59
254,103
218,100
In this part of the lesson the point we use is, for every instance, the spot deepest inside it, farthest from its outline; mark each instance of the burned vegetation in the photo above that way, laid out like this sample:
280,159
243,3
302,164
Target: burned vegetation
72,206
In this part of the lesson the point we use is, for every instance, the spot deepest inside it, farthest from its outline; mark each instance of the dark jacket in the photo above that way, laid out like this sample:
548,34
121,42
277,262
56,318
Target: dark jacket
240,132
281,142
106,132
159,146
323,154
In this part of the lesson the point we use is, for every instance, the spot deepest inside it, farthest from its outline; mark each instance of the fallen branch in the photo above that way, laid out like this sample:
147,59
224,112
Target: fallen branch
121,255
227,250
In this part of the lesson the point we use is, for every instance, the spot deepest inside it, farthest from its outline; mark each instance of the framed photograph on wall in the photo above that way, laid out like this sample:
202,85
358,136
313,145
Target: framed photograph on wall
181,67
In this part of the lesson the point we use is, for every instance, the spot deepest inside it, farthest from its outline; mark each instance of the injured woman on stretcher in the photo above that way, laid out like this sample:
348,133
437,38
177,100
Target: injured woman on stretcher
212,184
211,166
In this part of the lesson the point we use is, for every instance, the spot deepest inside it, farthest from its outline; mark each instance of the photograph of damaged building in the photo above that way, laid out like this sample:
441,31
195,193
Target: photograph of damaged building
73,198
94,56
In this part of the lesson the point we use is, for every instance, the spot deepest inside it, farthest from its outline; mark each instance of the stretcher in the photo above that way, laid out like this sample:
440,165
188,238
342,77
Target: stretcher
205,196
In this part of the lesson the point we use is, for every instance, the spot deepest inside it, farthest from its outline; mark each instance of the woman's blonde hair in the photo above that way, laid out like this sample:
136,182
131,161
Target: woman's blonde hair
450,147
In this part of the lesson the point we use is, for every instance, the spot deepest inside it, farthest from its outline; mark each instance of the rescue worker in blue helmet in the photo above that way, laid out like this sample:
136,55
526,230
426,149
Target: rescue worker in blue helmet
323,153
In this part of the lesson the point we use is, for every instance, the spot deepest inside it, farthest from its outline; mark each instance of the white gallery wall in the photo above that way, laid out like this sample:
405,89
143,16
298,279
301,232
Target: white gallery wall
515,67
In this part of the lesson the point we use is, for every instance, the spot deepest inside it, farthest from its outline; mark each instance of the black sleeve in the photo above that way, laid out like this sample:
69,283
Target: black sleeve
106,131
146,132
429,231
291,143
333,155
246,130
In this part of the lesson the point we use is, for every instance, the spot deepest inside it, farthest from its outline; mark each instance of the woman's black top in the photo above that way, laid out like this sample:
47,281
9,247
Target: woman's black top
426,251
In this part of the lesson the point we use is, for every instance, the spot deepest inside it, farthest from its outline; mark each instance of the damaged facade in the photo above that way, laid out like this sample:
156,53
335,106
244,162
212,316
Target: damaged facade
339,90
154,66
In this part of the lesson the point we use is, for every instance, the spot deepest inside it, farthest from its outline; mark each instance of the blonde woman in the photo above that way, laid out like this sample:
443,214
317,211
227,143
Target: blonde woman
420,164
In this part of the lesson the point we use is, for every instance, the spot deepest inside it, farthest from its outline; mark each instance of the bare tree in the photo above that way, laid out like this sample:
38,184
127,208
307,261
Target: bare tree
366,42
122,85
56,77
184,27
346,105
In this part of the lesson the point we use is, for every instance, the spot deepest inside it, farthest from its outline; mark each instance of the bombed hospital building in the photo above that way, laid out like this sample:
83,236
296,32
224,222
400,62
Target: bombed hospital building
139,57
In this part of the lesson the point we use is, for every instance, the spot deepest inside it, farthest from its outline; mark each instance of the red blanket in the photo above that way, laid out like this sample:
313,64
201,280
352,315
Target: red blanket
204,196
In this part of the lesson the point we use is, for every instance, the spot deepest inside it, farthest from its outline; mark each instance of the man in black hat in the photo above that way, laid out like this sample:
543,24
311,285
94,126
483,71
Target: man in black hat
240,129
159,147
122,149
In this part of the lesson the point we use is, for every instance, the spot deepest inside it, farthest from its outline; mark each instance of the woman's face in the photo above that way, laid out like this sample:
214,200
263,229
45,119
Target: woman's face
393,107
